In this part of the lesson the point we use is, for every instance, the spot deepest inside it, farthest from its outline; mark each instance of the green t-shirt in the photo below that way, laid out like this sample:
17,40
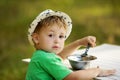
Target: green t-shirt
46,66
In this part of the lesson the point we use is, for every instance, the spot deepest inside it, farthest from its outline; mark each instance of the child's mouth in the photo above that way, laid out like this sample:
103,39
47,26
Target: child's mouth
55,47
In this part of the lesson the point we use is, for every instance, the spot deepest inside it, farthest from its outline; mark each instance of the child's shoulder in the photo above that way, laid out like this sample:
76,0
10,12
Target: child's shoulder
42,55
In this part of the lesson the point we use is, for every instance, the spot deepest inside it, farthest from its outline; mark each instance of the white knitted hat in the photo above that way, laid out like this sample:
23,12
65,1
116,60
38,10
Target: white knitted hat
45,14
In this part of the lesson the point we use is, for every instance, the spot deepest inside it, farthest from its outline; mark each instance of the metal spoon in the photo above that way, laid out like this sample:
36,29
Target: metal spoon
85,53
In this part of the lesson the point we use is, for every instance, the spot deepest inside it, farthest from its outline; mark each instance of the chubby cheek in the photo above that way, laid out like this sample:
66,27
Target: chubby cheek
48,42
62,44
61,48
45,41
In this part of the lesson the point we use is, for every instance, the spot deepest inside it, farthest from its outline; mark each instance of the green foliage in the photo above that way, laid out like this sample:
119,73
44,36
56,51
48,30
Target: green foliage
96,17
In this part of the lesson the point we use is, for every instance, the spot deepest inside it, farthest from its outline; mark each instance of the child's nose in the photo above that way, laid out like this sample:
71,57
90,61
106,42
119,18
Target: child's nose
56,40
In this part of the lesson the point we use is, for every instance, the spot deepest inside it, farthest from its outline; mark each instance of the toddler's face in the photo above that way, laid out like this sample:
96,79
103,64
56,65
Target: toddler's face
52,39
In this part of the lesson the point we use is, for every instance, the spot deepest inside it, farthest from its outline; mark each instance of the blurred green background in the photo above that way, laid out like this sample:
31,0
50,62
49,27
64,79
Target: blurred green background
100,18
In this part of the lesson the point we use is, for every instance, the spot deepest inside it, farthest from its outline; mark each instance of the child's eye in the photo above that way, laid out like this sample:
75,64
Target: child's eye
50,35
61,36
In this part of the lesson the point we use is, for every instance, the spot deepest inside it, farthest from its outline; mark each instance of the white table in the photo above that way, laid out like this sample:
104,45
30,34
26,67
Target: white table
108,57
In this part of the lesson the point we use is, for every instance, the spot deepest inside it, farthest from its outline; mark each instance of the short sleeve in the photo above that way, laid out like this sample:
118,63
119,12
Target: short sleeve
53,65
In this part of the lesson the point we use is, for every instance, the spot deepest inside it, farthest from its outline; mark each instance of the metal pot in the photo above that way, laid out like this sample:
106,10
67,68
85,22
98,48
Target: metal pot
78,63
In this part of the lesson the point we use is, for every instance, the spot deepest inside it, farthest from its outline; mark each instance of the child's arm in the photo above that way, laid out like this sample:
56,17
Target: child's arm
76,44
83,74
89,74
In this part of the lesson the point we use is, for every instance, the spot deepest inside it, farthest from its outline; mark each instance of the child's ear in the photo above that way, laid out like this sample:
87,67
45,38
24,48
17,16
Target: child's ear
35,38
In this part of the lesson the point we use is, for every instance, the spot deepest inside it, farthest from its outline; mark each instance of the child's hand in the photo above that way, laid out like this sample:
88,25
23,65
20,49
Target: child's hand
104,73
89,39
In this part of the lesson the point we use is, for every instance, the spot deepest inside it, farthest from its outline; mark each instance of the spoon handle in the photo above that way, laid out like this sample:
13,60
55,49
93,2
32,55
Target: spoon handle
87,48
85,54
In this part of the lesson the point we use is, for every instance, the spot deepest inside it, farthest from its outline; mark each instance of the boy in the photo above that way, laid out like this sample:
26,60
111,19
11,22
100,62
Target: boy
48,33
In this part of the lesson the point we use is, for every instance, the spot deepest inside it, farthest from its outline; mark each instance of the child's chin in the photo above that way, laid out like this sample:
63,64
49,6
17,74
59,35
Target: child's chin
56,52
